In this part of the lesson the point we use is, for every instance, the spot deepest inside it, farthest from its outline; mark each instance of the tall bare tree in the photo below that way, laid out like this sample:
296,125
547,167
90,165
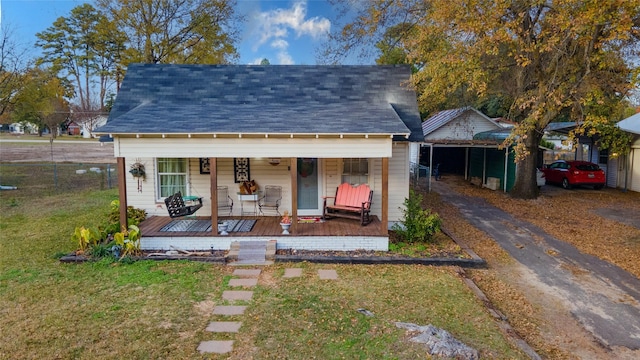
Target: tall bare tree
182,31
13,63
546,57
85,47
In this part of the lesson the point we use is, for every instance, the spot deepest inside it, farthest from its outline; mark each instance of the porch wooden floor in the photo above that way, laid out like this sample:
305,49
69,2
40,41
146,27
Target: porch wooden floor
269,226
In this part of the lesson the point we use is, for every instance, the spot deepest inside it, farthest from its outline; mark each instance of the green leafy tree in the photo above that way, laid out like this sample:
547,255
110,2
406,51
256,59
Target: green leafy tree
546,58
42,100
186,31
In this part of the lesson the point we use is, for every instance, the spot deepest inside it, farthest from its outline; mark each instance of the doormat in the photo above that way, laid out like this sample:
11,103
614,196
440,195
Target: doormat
309,219
192,225
244,225
187,225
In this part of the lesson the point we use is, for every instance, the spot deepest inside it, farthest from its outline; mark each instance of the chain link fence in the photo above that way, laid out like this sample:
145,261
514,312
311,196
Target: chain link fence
46,179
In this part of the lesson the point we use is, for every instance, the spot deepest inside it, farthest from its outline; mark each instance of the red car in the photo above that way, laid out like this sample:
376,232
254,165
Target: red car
570,173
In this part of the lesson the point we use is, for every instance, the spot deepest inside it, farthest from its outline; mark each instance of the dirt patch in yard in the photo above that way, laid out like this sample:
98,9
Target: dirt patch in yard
33,149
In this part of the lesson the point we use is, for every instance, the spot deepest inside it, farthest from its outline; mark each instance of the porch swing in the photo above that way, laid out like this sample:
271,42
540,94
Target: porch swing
177,208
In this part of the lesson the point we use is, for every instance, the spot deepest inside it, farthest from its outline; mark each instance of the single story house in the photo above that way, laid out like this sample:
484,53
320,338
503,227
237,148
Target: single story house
629,172
304,129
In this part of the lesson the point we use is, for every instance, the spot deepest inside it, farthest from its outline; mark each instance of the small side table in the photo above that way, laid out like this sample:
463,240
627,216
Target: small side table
249,198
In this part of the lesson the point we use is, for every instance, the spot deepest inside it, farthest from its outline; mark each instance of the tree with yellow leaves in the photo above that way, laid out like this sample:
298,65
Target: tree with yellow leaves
547,57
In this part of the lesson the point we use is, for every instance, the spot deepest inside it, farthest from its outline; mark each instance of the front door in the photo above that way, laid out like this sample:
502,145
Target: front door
308,194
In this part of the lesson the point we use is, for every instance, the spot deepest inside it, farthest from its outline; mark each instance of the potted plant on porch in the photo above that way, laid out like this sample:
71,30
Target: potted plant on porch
285,223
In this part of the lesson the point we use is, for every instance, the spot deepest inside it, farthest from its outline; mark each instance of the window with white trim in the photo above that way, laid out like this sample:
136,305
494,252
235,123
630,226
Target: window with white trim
355,171
172,176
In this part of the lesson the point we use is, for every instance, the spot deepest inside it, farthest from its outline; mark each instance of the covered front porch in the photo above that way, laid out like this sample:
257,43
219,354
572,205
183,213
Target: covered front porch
334,234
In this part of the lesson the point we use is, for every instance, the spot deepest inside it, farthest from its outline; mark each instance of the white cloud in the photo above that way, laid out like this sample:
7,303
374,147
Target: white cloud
256,61
284,58
275,26
279,44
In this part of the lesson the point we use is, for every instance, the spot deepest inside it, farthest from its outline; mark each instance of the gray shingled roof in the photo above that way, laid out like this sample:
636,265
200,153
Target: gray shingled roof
296,99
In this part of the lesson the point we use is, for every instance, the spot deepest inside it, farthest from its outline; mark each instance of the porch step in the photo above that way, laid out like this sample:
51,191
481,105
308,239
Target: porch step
252,252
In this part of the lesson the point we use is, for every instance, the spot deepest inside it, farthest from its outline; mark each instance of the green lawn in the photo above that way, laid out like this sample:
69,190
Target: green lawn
156,310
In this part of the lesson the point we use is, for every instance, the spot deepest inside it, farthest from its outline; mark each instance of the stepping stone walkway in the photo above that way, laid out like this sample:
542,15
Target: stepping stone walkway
243,278
232,295
243,282
229,310
322,274
327,274
292,273
216,346
224,326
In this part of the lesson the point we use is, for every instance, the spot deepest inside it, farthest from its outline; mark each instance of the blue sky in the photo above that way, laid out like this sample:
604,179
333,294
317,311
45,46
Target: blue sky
285,32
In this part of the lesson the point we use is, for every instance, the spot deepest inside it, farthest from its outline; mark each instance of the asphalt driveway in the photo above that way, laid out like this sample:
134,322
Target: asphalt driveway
604,298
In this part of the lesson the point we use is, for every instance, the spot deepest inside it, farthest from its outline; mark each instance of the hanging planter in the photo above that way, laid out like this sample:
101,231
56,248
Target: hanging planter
137,170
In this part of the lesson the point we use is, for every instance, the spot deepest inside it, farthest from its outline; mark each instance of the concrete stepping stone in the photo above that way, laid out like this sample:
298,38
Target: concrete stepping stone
237,295
328,274
229,310
216,346
292,272
224,326
243,282
247,272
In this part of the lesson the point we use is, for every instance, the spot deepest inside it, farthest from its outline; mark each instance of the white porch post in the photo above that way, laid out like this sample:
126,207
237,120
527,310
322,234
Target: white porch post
213,176
293,170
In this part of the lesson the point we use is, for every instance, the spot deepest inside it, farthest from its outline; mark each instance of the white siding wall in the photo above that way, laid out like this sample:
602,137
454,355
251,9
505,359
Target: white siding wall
462,128
634,170
398,180
265,174
199,184
612,172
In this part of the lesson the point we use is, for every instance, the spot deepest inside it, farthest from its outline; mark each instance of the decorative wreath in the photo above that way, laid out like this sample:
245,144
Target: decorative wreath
305,167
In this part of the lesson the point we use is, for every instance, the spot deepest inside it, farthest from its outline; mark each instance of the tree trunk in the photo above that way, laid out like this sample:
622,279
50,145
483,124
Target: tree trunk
526,186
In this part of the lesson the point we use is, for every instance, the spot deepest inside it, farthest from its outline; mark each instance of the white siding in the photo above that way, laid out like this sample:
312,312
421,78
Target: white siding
398,180
634,170
462,128
612,172
265,174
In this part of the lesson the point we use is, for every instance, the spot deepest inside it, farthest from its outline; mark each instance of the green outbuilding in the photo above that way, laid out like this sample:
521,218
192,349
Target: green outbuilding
494,166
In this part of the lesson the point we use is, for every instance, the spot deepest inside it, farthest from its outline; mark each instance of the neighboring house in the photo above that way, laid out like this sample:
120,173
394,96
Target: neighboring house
23,128
88,126
305,128
629,169
73,128
450,140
